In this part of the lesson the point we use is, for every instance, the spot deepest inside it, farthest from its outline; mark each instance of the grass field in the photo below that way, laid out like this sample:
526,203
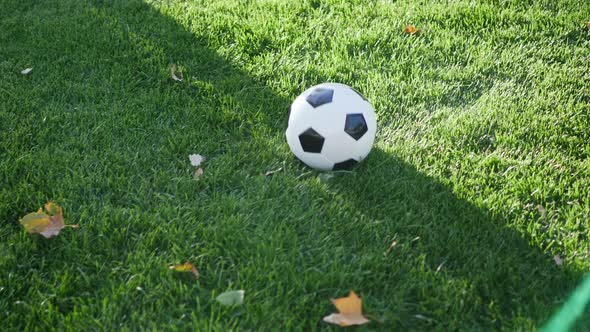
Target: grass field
480,170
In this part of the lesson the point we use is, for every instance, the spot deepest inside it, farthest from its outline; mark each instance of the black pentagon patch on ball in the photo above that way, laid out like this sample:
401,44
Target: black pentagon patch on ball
347,164
355,125
311,141
320,96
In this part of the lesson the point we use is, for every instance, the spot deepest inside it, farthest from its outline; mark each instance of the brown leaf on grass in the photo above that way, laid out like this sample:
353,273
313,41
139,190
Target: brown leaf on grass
558,260
173,74
186,267
198,173
47,223
350,311
26,71
411,30
588,25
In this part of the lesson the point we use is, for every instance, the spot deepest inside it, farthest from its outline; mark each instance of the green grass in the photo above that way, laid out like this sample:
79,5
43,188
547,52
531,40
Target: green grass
482,153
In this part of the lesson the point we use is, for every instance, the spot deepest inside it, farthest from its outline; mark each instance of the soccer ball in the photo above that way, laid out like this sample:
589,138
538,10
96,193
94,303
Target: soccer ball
331,127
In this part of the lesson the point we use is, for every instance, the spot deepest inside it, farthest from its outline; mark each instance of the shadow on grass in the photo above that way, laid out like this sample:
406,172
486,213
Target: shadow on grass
461,248
458,251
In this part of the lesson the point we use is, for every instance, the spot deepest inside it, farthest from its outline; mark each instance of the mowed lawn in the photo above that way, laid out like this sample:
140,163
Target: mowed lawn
479,177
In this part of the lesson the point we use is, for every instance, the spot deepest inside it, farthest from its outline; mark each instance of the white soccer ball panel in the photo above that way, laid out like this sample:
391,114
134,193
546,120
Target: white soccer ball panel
340,147
298,109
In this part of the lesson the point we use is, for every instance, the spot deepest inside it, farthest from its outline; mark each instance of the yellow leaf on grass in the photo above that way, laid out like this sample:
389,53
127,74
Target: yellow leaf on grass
36,222
411,30
588,25
186,267
53,209
48,223
350,311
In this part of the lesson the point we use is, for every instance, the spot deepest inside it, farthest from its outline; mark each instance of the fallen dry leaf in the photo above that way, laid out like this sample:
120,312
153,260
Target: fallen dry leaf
173,73
186,267
26,71
198,173
588,25
47,223
411,30
36,222
231,298
350,311
53,209
558,260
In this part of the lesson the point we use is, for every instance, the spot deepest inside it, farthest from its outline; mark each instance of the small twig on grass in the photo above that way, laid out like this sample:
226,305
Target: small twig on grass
270,173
